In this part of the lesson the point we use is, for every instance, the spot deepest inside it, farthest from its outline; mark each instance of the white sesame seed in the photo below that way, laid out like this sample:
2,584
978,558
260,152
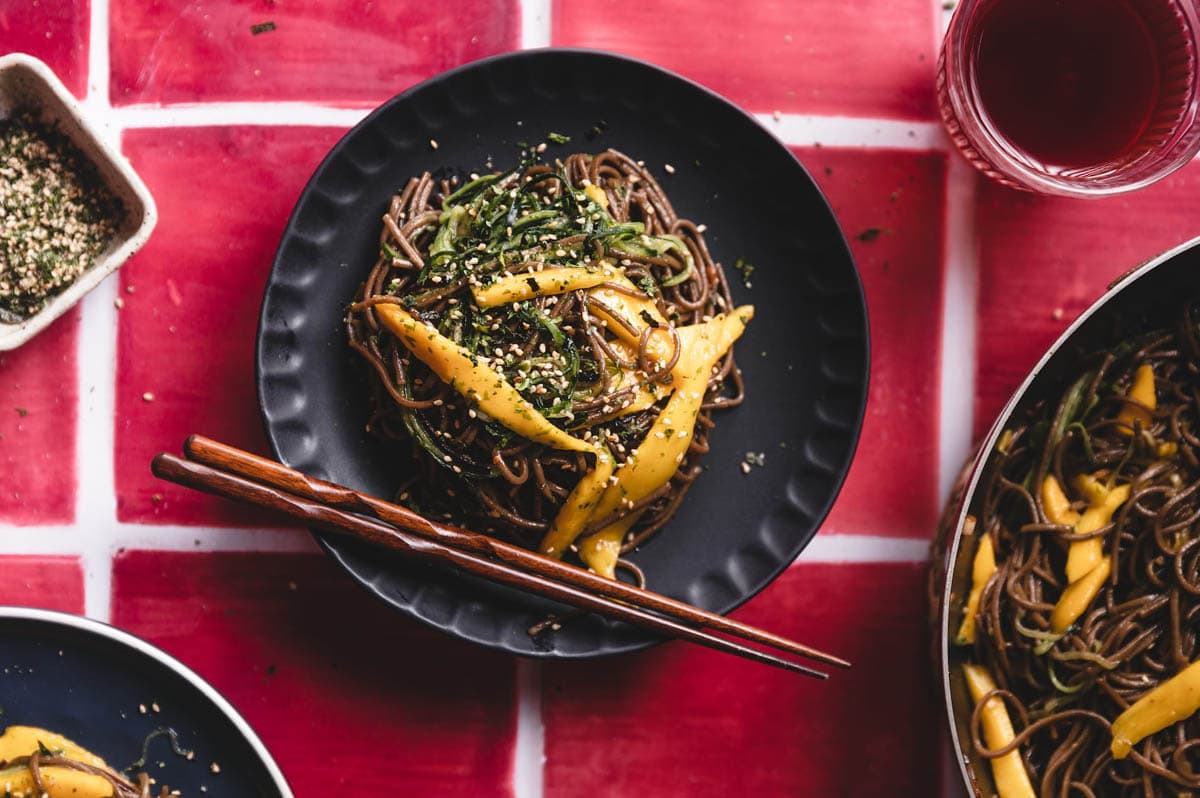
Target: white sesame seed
433,145
668,169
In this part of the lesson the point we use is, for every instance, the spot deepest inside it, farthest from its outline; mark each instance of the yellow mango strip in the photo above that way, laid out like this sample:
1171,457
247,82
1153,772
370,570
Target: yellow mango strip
20,741
463,372
596,195
1142,392
639,312
1084,555
548,282
60,783
600,551
23,741
658,456
1008,771
1078,596
1170,702
1092,487
1056,504
981,571
577,508
644,398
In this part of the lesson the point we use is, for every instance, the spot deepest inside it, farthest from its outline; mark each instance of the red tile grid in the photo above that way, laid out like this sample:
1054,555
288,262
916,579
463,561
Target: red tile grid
1042,261
48,583
812,57
347,52
55,31
681,721
191,299
891,207
39,400
335,683
327,675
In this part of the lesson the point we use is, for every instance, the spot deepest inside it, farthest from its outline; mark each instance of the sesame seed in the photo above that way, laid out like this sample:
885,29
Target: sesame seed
147,397
668,169
433,145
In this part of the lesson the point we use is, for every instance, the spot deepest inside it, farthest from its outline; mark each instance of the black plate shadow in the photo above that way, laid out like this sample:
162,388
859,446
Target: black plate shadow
804,356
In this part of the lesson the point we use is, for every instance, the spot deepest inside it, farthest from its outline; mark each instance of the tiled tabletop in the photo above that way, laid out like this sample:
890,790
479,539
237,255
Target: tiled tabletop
967,284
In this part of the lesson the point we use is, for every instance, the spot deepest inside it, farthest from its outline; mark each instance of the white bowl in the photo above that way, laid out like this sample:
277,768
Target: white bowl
26,83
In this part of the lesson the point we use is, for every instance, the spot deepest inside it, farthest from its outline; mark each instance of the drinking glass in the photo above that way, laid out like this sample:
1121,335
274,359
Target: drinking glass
1081,98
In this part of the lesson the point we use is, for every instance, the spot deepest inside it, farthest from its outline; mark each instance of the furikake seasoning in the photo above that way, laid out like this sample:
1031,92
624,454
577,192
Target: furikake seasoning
56,216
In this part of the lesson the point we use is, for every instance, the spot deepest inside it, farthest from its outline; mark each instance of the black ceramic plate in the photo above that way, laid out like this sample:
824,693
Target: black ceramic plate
804,356
87,681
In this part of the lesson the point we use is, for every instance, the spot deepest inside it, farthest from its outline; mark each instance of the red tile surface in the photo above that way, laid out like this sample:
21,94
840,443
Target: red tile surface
48,583
55,31
345,693
1043,260
891,207
812,57
200,279
682,721
39,397
348,52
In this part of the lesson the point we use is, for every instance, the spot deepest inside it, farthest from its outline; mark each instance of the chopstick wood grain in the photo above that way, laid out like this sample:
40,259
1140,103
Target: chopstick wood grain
231,486
229,458
232,473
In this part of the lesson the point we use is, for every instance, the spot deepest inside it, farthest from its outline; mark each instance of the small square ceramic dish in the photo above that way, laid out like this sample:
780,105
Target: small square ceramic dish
26,84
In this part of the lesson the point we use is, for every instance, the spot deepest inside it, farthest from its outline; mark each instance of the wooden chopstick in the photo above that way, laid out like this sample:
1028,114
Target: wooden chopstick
229,458
231,486
264,483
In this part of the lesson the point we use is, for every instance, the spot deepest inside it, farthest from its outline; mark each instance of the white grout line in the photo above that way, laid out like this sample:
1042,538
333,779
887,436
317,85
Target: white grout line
529,755
98,55
248,113
846,131
95,500
959,302
835,548
97,540
535,23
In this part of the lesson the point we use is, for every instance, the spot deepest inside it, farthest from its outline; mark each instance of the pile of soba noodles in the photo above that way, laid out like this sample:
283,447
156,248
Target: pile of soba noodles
1086,632
528,336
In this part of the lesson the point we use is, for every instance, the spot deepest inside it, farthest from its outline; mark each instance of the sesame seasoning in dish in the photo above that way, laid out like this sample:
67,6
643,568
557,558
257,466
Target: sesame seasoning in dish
55,216
73,208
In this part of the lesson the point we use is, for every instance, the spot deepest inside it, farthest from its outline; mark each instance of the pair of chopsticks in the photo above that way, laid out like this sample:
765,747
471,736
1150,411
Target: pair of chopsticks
226,471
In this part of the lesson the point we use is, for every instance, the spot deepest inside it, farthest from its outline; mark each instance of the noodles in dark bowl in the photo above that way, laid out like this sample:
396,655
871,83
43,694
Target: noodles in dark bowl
578,287
1080,639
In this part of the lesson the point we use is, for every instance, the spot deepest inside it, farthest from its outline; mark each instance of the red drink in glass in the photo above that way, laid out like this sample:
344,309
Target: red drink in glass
1074,97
